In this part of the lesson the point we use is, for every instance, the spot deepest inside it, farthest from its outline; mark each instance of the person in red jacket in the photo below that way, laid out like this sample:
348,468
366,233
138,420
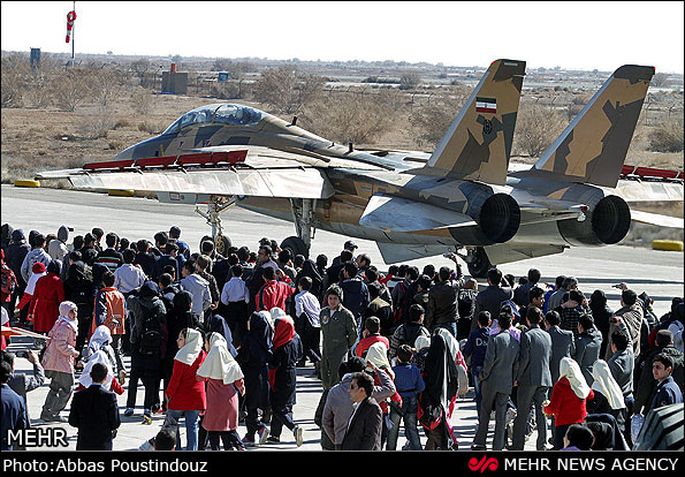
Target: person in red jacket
371,335
47,296
273,294
187,396
567,403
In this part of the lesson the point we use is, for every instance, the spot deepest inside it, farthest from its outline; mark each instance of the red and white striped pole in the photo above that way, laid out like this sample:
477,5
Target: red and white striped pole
71,18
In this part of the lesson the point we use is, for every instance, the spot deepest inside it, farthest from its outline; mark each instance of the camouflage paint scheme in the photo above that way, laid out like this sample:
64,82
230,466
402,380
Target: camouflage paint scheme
418,204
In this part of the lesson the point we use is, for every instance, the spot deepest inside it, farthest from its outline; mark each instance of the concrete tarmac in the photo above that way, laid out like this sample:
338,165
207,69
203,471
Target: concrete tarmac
658,273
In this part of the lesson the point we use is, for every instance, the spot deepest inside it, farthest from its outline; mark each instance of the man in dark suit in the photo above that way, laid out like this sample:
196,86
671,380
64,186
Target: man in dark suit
364,430
13,410
563,343
491,298
534,379
95,413
497,379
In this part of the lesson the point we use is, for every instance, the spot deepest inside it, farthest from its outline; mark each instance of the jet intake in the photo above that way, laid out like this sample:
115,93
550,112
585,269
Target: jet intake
609,224
498,217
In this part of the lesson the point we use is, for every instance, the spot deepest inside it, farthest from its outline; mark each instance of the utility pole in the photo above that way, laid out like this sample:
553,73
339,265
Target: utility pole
73,41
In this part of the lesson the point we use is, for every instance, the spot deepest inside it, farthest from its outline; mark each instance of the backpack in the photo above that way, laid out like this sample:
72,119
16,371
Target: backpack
150,343
402,305
409,337
9,281
466,304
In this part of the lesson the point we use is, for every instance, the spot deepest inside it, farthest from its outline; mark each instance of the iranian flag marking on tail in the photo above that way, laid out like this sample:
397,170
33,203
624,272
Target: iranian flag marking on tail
486,105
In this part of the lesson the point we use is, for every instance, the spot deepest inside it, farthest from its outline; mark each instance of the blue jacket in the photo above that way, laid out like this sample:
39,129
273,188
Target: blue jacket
13,415
667,392
408,380
355,297
476,346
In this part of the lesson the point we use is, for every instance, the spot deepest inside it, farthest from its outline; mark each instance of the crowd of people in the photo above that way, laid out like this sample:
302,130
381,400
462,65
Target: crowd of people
225,335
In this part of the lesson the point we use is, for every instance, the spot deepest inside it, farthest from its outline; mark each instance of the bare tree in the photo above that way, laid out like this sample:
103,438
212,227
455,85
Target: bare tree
537,126
140,68
142,101
349,117
667,136
71,90
15,76
410,80
433,119
287,90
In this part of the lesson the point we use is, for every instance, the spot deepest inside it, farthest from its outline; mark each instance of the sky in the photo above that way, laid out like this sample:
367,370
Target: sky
572,35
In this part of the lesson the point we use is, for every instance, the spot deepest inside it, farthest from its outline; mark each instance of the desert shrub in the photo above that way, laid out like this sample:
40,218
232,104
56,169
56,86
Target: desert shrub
149,127
351,117
97,124
142,101
536,127
433,119
287,90
667,136
410,80
121,123
72,89
14,78
105,84
227,90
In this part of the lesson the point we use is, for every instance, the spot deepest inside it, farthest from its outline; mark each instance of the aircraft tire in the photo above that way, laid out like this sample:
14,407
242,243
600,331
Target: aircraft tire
667,245
222,243
296,246
26,183
478,268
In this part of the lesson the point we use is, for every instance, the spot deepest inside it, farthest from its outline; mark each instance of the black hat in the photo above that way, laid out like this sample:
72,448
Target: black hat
350,245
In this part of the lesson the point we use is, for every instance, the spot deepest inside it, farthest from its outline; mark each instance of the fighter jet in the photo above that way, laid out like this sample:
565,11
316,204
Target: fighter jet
461,197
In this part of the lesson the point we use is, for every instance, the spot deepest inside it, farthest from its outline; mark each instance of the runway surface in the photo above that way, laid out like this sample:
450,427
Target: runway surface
660,274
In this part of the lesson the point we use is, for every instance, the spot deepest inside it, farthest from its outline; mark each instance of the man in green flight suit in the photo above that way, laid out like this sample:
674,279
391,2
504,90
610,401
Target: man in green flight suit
339,329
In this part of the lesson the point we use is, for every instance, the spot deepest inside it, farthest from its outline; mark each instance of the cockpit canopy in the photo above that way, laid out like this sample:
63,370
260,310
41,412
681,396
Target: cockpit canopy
229,114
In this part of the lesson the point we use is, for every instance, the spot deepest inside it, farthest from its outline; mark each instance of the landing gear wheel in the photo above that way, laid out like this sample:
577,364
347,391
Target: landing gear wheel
296,246
223,243
479,264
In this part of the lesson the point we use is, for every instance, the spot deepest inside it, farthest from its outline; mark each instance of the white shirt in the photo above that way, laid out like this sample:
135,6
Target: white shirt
307,303
128,278
355,406
235,290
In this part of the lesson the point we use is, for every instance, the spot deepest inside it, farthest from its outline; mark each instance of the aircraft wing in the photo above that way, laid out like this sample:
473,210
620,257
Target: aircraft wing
257,172
396,214
401,252
513,252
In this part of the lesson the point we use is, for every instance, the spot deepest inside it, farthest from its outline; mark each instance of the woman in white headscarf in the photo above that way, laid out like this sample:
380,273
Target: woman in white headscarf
421,345
224,380
462,368
608,394
377,356
58,361
100,351
568,401
186,394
